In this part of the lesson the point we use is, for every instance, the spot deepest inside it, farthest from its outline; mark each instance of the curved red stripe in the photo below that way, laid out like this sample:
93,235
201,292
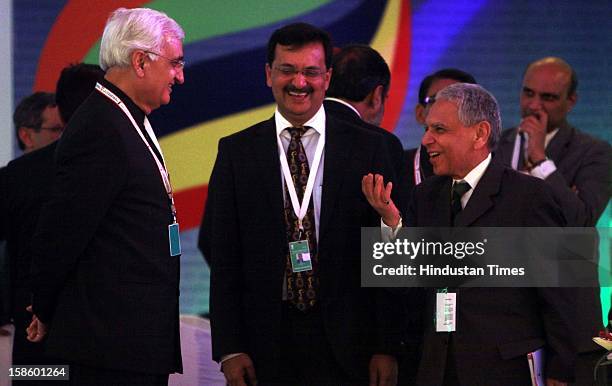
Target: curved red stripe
399,70
190,206
78,26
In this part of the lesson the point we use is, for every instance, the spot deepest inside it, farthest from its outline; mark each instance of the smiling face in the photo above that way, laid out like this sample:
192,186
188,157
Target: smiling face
454,149
162,74
298,78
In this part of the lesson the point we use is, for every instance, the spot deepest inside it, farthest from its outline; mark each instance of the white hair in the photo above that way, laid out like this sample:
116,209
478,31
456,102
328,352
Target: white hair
474,105
127,30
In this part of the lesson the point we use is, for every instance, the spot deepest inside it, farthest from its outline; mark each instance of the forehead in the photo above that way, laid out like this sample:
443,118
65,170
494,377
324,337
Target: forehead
439,84
50,114
172,47
443,111
547,78
311,54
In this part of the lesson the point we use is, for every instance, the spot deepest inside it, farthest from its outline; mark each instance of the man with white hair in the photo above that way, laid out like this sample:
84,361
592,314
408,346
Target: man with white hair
495,328
106,251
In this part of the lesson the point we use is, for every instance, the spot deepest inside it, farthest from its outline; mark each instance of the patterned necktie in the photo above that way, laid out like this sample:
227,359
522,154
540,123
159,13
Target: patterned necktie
459,189
301,286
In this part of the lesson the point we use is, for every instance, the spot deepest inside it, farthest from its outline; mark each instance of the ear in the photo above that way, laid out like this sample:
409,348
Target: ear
139,62
419,113
268,75
571,99
482,134
327,78
377,97
25,136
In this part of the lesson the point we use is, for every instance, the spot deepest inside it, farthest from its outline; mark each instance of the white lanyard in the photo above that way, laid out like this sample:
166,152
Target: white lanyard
162,170
516,152
300,211
417,166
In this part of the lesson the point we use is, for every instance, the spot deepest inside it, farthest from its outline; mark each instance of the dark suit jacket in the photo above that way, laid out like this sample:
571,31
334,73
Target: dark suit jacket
103,276
494,324
25,185
425,167
249,245
583,162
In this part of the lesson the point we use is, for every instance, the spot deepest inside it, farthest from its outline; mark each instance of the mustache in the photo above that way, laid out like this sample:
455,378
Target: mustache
528,113
292,88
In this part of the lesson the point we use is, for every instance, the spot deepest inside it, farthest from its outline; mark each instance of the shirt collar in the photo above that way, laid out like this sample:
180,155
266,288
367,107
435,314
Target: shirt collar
317,122
474,176
344,103
136,112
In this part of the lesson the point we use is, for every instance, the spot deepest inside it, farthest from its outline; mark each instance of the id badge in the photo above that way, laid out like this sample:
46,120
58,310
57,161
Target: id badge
175,239
446,312
299,253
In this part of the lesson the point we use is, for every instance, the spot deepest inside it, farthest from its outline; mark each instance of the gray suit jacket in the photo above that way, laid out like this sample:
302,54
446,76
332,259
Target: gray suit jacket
583,163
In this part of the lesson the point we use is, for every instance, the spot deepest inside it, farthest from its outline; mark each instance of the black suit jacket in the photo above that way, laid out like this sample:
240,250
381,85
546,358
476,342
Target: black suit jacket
25,185
249,246
103,276
494,324
582,162
425,167
344,113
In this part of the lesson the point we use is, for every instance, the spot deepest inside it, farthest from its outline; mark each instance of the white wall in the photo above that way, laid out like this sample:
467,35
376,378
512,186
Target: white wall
6,82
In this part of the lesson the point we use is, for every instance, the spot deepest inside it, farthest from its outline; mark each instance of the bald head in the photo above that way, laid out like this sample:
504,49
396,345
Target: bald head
549,86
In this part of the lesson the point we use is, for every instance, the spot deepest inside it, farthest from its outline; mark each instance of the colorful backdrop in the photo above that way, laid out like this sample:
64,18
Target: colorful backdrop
225,50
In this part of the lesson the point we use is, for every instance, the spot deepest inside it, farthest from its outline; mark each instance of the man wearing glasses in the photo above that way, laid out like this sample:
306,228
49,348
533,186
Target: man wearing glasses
290,187
106,250
37,121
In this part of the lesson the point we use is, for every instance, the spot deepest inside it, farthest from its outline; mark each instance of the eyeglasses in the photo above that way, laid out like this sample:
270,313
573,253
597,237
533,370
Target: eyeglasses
54,129
179,64
429,100
290,71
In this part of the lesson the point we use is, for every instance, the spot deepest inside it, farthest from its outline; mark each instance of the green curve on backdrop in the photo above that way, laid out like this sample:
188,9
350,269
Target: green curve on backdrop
201,20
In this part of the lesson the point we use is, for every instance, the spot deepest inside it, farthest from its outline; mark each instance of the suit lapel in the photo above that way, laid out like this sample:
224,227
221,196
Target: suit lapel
268,165
436,212
480,201
337,149
556,148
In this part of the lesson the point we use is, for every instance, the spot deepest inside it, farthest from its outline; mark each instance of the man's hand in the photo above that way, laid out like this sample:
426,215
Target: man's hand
239,370
383,370
379,197
554,382
535,126
37,330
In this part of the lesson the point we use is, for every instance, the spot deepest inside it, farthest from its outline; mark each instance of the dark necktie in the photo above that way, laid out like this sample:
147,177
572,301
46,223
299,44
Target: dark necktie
458,190
301,286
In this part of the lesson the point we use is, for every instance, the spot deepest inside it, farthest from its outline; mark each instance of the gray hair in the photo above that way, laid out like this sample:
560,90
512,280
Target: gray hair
127,30
474,105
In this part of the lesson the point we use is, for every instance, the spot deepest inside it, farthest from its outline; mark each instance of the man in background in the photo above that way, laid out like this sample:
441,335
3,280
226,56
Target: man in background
25,185
357,94
575,165
37,121
106,252
418,166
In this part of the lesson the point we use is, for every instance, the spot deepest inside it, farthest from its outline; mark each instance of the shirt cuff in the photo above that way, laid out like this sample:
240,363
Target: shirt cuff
544,169
389,233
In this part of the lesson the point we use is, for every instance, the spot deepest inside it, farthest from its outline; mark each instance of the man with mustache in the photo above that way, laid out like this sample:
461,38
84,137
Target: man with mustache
287,186
577,168
574,164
